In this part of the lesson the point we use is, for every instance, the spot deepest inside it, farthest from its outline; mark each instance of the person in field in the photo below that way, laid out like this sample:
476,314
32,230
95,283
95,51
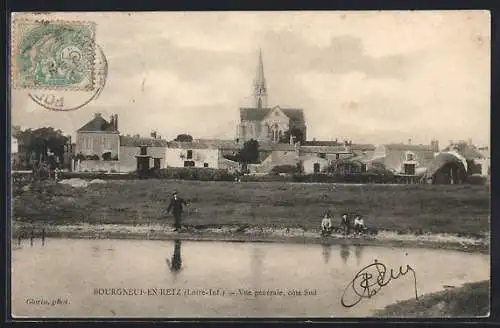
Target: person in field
326,224
176,206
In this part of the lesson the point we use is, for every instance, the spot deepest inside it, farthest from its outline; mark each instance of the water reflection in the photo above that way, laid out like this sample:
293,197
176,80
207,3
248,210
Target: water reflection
327,252
358,250
344,252
175,264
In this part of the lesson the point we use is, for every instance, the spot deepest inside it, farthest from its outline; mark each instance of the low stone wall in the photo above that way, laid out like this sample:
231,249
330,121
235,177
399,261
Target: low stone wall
96,165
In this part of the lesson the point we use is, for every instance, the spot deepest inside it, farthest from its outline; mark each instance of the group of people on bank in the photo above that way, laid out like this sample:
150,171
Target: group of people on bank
348,224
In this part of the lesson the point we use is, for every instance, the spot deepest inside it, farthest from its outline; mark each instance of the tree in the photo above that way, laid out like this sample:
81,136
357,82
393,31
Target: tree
297,134
184,138
40,141
249,154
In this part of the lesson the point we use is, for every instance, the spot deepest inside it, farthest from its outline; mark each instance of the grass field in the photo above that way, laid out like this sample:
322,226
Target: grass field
458,209
471,300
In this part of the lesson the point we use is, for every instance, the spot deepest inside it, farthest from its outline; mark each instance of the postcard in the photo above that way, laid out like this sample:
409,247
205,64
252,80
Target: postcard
286,164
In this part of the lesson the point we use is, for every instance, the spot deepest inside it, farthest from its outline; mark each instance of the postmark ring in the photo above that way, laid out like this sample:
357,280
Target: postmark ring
54,101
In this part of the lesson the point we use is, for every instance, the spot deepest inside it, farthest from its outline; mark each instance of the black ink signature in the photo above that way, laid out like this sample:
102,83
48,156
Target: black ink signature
370,279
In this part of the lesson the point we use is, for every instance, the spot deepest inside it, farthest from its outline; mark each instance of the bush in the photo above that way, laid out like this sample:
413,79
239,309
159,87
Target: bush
80,157
92,157
194,173
266,178
289,169
340,178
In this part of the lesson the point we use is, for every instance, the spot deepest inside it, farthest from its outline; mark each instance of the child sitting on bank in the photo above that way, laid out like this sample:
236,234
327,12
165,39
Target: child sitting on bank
359,225
326,224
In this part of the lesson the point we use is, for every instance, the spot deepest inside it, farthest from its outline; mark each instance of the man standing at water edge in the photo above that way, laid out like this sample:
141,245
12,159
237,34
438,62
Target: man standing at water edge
176,204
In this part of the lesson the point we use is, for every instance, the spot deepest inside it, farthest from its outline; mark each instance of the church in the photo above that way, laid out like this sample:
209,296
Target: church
264,123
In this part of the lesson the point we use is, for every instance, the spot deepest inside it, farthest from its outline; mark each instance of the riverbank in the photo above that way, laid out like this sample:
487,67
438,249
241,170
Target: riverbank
237,233
458,210
470,300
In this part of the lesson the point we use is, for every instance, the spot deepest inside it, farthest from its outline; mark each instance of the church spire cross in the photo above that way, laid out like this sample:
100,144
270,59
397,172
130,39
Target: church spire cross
260,89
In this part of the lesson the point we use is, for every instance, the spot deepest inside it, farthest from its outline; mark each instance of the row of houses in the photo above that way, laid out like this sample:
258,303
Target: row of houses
99,137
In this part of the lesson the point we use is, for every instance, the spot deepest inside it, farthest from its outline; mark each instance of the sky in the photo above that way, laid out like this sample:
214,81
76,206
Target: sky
372,77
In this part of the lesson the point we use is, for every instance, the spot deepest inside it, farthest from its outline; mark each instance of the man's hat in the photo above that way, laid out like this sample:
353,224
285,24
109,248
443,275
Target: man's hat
175,193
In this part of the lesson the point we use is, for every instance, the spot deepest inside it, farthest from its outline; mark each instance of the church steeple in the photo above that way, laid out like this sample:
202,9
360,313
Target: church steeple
259,85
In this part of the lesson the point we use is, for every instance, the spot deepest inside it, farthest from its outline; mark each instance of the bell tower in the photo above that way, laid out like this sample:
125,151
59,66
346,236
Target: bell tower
259,85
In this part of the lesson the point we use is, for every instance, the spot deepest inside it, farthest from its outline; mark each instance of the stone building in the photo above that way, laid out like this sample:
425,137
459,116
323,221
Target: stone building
98,137
404,159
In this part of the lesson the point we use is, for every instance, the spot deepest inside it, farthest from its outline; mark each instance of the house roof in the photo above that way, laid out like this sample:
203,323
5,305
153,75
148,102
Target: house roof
439,161
97,124
324,149
469,152
127,141
406,147
362,147
204,144
354,159
296,115
321,143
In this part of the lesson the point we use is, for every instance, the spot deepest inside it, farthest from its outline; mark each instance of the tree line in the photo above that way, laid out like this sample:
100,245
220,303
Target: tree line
40,145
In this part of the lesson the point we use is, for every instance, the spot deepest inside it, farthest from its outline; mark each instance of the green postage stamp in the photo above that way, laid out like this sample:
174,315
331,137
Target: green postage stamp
53,54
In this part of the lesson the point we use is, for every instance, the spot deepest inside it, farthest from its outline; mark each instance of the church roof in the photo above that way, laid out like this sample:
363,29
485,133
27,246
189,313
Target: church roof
97,124
253,114
296,115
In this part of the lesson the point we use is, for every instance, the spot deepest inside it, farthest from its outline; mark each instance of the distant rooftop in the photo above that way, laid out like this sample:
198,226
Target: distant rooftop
410,147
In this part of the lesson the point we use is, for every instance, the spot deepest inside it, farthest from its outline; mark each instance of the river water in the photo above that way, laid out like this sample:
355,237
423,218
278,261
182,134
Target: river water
82,278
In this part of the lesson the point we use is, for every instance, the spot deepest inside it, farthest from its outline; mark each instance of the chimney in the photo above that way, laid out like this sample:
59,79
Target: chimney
112,121
469,141
409,141
116,122
435,145
96,115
